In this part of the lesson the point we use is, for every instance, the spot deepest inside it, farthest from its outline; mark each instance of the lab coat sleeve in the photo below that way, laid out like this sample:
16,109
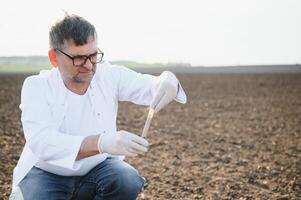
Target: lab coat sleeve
141,88
46,143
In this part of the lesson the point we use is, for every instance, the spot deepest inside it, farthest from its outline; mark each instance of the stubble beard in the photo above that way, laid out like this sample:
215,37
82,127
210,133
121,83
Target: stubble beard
77,79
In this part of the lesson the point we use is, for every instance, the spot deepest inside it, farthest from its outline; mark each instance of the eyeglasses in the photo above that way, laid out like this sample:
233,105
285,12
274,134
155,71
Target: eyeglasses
80,60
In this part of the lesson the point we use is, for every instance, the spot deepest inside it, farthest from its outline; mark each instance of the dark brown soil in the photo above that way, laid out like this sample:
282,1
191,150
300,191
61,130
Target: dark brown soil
238,137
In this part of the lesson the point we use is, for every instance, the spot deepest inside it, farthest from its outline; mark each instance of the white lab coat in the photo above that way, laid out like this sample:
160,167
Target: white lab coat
43,105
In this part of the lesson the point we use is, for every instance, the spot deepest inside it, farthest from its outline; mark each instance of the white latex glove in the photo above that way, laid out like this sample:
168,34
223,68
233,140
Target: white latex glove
166,90
122,143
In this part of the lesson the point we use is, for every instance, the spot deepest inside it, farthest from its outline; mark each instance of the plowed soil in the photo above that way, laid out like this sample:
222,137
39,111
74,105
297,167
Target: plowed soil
238,137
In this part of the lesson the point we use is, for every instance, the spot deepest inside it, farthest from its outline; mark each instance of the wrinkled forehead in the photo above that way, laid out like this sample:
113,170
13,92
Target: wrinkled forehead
91,40
79,40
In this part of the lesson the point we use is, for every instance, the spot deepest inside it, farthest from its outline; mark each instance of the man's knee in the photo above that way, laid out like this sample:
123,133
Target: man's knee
125,181
130,182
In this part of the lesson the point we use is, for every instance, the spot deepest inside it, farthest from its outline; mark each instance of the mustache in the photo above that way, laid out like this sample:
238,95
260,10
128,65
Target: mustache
92,70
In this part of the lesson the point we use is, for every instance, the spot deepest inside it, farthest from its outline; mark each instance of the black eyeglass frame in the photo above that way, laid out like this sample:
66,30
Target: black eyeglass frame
99,52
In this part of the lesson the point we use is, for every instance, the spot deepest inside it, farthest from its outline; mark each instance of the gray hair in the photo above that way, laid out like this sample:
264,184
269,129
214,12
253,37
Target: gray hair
71,28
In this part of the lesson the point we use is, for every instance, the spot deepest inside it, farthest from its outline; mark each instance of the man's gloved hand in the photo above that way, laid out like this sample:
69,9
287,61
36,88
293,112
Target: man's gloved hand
122,143
166,90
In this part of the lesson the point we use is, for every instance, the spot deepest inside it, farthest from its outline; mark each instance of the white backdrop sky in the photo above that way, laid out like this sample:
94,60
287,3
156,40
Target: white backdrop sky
200,32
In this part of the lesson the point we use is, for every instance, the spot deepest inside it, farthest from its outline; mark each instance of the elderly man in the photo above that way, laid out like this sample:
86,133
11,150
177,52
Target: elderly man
73,150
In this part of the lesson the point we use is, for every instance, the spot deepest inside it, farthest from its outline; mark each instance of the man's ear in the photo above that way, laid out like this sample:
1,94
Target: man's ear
52,58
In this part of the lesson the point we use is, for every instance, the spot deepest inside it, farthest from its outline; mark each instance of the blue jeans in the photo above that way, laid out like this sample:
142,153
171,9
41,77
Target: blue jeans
111,179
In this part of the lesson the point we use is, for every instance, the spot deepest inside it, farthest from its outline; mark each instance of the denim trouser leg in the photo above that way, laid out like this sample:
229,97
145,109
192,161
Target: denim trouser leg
111,179
39,184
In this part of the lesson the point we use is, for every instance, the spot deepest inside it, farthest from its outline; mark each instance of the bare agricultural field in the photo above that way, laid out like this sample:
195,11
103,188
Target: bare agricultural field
238,137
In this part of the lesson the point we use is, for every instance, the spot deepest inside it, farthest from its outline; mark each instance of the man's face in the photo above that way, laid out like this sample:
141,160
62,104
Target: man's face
74,74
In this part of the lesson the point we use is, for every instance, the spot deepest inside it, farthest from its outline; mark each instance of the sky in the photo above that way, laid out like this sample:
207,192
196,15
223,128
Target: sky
199,32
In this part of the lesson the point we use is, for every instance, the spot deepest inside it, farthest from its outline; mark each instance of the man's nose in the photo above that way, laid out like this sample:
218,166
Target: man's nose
88,64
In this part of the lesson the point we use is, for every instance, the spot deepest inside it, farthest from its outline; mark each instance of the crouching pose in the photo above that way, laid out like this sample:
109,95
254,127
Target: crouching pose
73,150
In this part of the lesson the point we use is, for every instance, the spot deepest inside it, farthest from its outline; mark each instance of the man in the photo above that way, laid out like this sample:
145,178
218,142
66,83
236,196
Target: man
73,150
